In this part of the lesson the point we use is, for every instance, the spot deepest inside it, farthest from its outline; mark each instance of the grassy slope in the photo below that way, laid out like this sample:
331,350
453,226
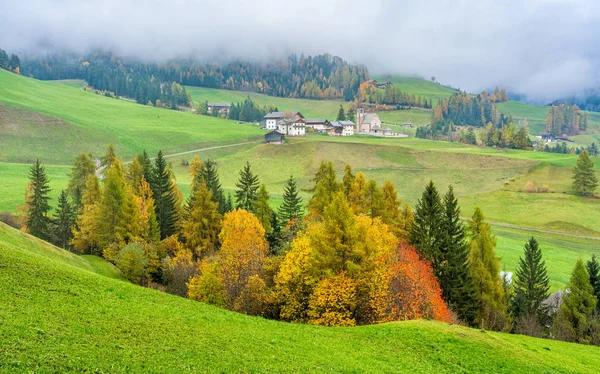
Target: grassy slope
92,121
419,86
59,317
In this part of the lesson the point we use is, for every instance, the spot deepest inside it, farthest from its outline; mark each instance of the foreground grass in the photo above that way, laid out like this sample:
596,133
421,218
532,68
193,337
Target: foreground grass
59,317
89,122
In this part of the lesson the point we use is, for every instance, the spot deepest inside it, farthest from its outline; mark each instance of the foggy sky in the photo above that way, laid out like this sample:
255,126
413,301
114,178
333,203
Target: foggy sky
545,49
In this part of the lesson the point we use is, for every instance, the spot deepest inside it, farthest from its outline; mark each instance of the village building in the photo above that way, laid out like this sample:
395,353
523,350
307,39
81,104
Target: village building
545,136
274,137
317,124
220,108
373,82
292,126
388,132
273,118
341,128
367,122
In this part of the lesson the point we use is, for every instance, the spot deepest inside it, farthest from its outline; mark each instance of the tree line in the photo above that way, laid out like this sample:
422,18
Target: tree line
11,63
314,77
565,119
355,254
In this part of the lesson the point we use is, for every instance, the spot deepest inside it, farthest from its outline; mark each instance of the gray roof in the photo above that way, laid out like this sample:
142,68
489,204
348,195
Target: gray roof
278,115
388,129
219,104
376,127
347,123
341,123
315,121
369,117
290,121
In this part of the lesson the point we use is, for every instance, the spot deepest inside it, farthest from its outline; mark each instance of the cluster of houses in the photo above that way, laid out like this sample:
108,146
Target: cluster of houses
284,124
549,137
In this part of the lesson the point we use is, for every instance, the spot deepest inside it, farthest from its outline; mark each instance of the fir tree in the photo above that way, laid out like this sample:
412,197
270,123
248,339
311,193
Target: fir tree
292,203
453,274
261,208
426,231
584,177
274,237
208,173
228,204
165,198
575,312
37,221
341,114
147,168
531,283
64,220
593,268
246,194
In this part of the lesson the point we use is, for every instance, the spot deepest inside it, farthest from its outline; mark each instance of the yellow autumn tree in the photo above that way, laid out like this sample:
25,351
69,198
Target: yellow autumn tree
333,302
243,252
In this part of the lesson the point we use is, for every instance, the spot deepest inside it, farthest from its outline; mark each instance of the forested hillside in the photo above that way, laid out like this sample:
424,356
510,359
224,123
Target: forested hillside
318,77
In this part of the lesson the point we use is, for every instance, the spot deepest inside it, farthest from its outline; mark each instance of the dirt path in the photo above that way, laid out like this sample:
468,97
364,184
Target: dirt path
201,150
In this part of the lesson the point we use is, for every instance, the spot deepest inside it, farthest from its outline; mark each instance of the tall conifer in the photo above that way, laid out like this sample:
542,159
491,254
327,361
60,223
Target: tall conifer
584,178
247,185
531,282
426,231
261,208
593,268
292,203
165,198
64,220
37,207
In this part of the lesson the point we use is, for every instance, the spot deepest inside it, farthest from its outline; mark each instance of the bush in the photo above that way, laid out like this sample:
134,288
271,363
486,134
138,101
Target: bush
132,263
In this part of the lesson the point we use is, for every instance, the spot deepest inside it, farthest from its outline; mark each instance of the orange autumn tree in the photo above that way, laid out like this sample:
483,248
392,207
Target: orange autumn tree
409,290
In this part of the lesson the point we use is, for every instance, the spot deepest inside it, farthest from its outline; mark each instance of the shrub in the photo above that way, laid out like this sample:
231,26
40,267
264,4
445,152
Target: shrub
132,263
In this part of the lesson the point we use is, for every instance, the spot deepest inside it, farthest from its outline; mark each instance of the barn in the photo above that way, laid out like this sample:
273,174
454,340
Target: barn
274,137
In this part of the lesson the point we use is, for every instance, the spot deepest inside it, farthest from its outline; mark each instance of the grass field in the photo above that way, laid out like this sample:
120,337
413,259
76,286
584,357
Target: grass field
85,121
419,86
58,316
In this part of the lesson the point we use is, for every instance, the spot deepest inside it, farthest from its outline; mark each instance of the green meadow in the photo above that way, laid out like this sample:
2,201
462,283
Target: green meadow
65,313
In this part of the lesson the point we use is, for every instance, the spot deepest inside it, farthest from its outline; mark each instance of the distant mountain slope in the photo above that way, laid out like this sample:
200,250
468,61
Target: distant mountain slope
418,86
58,317
89,122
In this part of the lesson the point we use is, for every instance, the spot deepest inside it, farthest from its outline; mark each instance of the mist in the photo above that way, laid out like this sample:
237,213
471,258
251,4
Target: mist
544,49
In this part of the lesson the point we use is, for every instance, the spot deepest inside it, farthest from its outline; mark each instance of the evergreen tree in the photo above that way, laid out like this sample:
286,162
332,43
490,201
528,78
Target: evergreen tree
584,177
165,198
426,232
147,168
485,272
64,220
531,282
37,221
246,194
274,237
82,167
575,312
292,203
208,173
593,268
341,114
228,207
453,274
261,208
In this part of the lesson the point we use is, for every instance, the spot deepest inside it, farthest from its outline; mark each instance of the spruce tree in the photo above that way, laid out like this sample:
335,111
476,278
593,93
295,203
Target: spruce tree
341,114
64,220
292,203
147,167
453,273
165,198
274,237
575,312
228,204
261,208
246,194
208,173
426,231
37,207
531,282
584,177
593,268
82,167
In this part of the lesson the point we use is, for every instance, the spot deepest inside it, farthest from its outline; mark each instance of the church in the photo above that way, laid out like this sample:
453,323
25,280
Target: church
367,122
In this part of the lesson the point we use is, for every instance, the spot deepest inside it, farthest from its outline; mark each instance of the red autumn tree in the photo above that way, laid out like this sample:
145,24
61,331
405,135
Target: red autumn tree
410,290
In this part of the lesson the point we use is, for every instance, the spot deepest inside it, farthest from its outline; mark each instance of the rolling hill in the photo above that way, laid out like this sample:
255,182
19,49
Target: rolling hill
59,316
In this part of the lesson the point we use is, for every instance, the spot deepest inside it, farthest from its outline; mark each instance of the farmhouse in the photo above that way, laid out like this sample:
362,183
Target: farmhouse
274,137
546,136
341,128
373,82
367,122
273,118
317,124
292,126
221,108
